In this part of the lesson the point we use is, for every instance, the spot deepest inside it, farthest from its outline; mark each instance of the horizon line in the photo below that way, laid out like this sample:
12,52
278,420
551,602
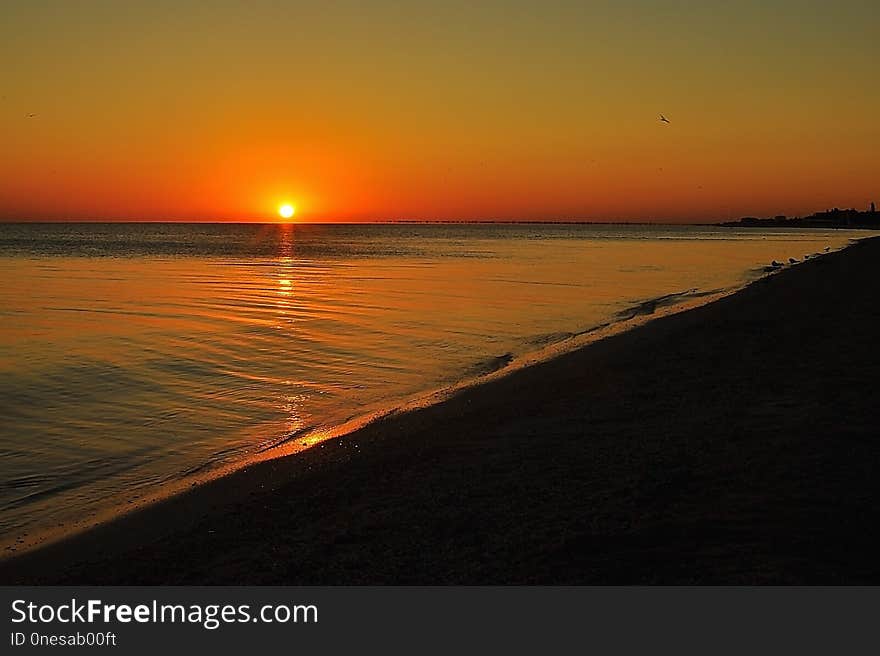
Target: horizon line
368,222
391,221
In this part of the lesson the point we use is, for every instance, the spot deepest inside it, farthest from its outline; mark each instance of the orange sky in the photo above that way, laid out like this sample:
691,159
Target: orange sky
505,110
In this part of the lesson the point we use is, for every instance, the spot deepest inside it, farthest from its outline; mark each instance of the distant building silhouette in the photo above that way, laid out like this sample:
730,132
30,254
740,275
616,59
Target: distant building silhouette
833,218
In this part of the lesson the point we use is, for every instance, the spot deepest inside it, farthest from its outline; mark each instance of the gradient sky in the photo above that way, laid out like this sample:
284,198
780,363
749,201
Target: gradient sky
437,110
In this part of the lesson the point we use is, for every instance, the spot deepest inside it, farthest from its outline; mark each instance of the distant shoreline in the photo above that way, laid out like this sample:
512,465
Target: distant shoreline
836,219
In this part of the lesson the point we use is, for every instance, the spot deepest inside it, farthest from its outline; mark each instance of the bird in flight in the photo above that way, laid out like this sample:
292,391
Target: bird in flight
31,116
663,119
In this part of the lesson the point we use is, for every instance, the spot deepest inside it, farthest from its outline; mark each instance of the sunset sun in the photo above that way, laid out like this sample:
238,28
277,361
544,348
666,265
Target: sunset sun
286,211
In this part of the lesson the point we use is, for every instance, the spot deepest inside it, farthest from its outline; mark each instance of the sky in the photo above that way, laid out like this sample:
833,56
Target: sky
385,110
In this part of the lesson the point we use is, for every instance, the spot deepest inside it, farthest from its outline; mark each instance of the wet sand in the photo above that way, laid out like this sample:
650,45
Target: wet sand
732,443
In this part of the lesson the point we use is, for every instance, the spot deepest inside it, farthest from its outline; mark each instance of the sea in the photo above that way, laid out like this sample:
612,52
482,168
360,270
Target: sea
138,359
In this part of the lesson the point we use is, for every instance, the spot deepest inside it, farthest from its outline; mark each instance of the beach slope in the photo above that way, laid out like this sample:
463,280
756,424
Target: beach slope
732,443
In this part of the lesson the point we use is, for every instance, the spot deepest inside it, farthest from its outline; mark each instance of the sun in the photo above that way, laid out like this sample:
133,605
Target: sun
286,211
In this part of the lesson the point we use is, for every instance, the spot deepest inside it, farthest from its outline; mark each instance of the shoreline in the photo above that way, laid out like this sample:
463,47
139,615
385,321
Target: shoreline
629,318
176,520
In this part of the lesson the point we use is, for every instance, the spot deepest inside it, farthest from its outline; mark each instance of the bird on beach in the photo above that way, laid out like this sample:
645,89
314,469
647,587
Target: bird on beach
663,119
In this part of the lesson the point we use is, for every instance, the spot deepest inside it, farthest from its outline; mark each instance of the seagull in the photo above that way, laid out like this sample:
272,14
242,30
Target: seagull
663,119
30,116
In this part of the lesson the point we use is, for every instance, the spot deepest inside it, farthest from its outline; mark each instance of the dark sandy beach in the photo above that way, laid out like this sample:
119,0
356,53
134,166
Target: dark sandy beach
733,443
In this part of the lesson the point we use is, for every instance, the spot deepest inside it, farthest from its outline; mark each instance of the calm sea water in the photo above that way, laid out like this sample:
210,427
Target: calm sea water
134,356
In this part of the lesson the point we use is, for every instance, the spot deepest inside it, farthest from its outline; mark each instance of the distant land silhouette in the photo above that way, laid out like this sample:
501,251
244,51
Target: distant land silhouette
833,218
